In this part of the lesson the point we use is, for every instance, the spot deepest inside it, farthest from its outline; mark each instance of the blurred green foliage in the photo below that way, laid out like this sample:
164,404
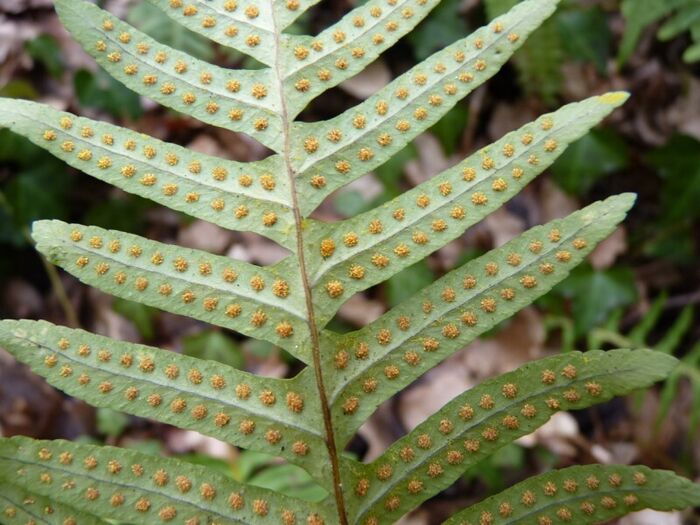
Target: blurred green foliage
142,316
100,91
440,29
215,346
589,296
38,188
540,60
682,16
46,50
678,163
602,152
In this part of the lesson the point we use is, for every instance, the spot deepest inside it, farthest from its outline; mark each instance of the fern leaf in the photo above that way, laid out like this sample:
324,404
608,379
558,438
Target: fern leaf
306,420
270,415
288,11
332,153
477,423
315,64
238,100
234,195
21,506
583,495
249,29
128,486
264,303
408,228
404,343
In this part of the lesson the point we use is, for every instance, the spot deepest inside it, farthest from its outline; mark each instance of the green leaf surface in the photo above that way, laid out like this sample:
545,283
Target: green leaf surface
372,364
329,154
175,79
128,486
584,495
235,195
477,423
248,28
152,21
406,229
240,408
316,64
265,303
20,507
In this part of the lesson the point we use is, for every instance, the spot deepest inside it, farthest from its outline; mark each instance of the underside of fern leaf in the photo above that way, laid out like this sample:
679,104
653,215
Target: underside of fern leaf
308,419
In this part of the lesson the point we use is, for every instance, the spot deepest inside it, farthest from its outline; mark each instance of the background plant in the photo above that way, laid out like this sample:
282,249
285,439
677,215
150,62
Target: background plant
682,16
48,233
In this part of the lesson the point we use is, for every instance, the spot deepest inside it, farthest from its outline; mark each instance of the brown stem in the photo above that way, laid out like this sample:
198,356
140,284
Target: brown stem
311,317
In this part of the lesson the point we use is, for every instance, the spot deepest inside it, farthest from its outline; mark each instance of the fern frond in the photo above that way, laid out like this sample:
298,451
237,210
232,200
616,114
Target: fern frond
239,100
249,29
128,486
20,506
477,423
583,495
234,195
274,416
408,228
316,64
388,354
308,419
265,303
332,153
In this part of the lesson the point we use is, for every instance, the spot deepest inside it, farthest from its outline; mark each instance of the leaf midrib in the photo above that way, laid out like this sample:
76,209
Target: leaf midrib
25,508
206,510
408,102
186,278
177,174
303,65
473,424
239,19
579,497
168,386
436,316
323,269
210,89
